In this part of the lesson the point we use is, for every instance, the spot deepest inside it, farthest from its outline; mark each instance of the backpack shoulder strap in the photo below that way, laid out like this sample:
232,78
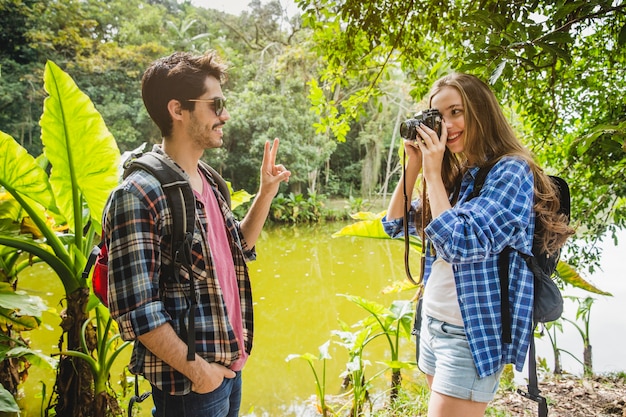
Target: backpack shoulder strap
221,183
479,181
564,195
177,190
180,199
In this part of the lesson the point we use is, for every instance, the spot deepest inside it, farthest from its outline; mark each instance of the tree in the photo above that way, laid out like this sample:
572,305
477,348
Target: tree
557,65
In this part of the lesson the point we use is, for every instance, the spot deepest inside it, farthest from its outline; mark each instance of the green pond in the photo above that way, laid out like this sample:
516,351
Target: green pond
296,281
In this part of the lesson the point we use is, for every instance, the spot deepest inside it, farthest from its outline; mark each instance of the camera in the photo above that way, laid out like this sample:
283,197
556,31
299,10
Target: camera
430,117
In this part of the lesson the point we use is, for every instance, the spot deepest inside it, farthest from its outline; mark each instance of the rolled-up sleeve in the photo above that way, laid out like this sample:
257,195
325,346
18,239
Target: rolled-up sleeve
395,227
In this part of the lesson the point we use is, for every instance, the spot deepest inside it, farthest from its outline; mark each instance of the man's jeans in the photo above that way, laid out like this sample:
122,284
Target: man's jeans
223,402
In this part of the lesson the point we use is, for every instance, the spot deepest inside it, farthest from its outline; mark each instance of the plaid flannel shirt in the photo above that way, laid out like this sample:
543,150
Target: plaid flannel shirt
136,221
470,236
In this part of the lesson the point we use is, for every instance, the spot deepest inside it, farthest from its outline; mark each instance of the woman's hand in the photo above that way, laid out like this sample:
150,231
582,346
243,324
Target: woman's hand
413,155
432,149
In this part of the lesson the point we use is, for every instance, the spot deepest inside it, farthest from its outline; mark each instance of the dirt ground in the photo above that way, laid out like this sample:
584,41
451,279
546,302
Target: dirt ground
597,397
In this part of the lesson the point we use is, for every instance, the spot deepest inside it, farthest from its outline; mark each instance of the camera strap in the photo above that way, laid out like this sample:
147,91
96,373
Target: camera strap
407,247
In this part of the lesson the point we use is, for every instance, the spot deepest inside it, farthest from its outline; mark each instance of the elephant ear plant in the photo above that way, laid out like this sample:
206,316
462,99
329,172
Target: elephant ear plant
63,197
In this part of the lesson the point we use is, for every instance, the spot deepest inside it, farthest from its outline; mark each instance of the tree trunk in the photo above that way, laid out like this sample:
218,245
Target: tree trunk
396,382
587,360
74,383
389,170
371,166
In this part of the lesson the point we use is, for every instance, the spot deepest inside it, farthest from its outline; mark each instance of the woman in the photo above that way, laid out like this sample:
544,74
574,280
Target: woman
461,348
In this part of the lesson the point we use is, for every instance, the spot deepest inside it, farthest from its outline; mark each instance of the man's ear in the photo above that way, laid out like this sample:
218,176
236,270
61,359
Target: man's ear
175,109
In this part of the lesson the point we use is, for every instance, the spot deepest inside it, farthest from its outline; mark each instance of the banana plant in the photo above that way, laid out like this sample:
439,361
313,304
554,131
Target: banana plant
107,349
63,195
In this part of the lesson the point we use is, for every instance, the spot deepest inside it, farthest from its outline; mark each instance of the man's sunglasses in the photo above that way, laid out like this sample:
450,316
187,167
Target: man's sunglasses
219,103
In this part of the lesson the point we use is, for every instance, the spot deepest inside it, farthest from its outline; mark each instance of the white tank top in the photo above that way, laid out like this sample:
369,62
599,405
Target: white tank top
440,297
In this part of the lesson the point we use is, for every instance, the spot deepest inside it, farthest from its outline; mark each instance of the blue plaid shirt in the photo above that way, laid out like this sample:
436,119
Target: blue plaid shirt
470,236
137,221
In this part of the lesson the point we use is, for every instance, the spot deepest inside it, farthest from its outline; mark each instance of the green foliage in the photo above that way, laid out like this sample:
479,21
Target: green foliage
393,323
320,382
412,400
583,314
285,115
84,159
294,209
18,310
355,381
101,356
7,402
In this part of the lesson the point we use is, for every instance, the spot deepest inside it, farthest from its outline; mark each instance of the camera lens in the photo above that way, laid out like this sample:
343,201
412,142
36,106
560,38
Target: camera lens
404,130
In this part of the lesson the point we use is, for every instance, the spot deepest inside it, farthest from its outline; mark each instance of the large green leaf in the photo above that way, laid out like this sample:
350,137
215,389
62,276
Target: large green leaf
18,309
7,402
22,303
370,225
80,148
572,277
20,173
34,357
238,198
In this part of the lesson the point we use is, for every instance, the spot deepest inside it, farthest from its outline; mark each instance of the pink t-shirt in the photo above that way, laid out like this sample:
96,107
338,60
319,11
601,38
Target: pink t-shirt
224,266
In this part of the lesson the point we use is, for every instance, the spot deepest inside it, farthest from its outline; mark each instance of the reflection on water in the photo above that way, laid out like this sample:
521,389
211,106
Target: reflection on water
295,280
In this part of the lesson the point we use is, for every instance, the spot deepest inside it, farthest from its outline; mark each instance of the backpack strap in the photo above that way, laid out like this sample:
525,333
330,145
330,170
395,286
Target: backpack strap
505,311
181,201
479,180
534,393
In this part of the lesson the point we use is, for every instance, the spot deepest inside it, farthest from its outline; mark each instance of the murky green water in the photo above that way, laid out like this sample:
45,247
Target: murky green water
296,279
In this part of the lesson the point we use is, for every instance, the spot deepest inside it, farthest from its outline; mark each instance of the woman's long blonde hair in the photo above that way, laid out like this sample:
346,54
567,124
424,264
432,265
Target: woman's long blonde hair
488,138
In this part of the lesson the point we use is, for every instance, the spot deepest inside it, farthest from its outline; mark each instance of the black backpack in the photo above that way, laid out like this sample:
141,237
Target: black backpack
548,302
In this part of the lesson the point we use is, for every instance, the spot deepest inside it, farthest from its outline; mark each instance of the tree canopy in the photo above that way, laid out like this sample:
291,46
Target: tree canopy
334,81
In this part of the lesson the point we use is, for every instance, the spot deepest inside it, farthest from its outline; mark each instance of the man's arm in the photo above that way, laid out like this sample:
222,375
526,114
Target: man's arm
205,376
271,177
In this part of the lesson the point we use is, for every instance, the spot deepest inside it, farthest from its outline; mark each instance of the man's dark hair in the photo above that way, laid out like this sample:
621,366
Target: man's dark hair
180,76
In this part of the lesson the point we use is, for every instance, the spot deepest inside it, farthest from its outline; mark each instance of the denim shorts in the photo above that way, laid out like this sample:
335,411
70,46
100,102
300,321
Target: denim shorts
444,354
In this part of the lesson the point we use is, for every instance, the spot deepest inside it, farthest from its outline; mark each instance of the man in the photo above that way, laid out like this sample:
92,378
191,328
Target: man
183,95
